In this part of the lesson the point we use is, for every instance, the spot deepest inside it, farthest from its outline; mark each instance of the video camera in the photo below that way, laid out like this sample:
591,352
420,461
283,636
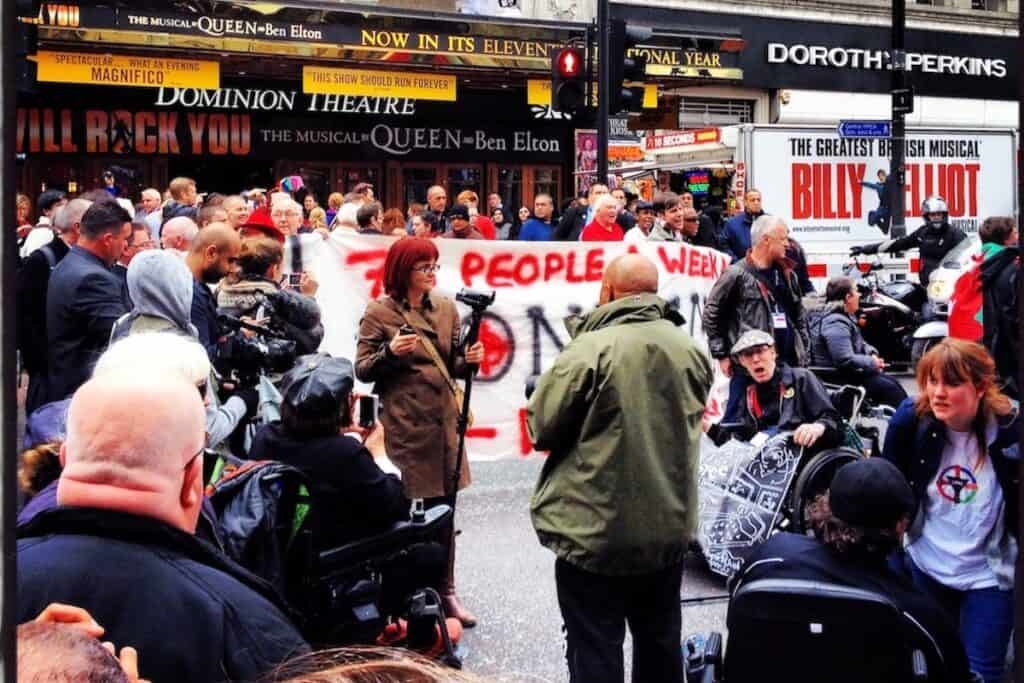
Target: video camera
246,358
478,301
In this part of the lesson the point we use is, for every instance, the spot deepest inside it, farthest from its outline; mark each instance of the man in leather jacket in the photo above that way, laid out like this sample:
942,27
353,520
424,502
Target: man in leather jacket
934,239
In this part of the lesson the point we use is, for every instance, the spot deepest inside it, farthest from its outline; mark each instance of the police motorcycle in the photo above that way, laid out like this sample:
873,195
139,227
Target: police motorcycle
891,311
941,285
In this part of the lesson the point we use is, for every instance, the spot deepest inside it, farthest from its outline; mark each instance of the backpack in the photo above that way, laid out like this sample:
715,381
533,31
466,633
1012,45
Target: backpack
261,506
966,306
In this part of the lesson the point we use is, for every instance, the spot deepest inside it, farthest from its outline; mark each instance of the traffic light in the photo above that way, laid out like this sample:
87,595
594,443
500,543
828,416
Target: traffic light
568,80
625,69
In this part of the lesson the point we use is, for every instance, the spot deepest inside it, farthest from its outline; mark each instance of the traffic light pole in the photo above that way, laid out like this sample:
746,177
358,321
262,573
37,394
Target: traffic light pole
897,200
603,88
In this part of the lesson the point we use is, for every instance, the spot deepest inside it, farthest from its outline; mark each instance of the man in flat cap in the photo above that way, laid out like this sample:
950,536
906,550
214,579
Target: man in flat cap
780,398
857,523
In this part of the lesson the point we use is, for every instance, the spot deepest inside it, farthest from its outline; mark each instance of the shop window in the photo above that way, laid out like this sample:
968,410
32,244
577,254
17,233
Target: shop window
510,188
461,178
697,112
416,180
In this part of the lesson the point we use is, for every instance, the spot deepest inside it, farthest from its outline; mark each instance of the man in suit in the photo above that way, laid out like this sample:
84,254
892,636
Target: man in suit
85,298
32,284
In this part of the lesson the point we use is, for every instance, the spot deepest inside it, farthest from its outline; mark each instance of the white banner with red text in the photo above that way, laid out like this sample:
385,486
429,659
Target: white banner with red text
537,285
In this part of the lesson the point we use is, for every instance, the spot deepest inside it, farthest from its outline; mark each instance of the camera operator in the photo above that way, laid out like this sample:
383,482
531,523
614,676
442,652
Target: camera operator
857,523
409,348
254,291
161,287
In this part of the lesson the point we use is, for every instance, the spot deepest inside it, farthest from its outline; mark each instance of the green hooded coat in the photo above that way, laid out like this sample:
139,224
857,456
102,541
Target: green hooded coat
620,412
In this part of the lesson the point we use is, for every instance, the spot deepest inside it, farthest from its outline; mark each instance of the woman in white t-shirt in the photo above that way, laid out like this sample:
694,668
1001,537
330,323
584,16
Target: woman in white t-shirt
957,444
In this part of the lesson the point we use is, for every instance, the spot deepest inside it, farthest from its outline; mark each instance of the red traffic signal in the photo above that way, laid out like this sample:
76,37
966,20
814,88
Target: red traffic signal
569,63
568,78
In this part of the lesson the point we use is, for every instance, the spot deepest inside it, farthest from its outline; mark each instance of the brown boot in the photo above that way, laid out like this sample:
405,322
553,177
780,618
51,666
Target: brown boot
452,606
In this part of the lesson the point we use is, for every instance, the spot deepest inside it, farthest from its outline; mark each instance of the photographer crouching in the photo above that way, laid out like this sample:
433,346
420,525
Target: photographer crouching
409,348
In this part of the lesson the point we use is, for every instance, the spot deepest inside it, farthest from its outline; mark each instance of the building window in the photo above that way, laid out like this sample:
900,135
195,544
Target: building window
697,112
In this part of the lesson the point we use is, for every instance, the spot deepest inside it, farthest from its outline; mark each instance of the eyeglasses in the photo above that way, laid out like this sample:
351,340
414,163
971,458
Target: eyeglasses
206,444
428,270
690,220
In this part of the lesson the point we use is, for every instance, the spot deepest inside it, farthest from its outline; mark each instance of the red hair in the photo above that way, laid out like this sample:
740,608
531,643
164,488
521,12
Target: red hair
402,256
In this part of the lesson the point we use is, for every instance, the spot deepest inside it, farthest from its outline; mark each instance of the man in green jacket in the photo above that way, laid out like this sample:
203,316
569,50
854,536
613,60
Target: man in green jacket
620,412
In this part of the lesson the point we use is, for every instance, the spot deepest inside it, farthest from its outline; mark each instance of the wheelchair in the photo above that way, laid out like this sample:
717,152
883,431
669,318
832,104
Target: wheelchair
771,490
266,521
814,632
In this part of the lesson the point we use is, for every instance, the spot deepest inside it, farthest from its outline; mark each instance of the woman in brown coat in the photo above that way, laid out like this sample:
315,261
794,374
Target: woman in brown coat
420,413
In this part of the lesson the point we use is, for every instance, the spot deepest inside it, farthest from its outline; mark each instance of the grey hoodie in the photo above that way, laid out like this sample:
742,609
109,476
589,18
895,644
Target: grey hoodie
160,285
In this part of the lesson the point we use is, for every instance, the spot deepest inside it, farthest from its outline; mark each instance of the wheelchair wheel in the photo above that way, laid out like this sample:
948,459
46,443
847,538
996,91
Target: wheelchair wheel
814,479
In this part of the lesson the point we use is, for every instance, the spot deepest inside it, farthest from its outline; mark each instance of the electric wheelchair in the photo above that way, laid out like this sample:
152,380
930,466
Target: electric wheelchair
265,519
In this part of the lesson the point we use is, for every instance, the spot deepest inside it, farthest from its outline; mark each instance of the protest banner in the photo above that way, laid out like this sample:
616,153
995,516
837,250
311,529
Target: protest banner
538,284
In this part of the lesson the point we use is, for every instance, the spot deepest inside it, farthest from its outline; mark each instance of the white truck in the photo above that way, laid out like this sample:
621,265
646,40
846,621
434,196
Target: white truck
824,184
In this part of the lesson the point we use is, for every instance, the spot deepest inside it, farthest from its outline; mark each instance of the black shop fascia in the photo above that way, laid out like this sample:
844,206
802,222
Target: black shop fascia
265,125
837,57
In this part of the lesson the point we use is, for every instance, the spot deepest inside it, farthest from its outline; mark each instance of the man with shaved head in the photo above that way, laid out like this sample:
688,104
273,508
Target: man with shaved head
620,412
122,544
214,254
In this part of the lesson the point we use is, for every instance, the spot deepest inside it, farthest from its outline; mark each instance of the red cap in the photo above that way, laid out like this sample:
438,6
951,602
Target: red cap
260,220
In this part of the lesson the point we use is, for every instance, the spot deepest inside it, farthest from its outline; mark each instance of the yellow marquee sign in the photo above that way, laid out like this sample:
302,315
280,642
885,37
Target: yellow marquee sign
322,80
538,93
125,70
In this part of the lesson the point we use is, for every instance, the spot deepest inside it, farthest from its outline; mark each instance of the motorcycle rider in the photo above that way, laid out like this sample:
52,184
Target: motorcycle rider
934,239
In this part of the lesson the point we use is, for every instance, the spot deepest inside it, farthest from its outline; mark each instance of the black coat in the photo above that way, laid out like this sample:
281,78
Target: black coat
738,302
794,556
83,300
802,399
192,614
204,317
932,244
352,496
572,224
999,317
32,283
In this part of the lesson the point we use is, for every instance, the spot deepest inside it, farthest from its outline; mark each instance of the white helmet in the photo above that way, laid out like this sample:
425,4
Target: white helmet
935,204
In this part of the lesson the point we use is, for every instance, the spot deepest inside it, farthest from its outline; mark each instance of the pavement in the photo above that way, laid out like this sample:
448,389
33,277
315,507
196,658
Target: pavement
508,580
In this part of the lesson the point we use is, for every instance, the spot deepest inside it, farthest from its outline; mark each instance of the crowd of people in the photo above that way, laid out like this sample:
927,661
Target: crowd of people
146,331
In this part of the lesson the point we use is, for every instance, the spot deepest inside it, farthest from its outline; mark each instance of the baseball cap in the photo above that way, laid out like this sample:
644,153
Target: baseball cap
644,205
317,384
750,339
459,211
871,493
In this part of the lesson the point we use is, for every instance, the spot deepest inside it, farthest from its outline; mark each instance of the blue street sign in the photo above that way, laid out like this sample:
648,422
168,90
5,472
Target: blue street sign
865,129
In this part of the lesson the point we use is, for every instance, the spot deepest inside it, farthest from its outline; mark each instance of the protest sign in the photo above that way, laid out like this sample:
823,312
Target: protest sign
538,284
